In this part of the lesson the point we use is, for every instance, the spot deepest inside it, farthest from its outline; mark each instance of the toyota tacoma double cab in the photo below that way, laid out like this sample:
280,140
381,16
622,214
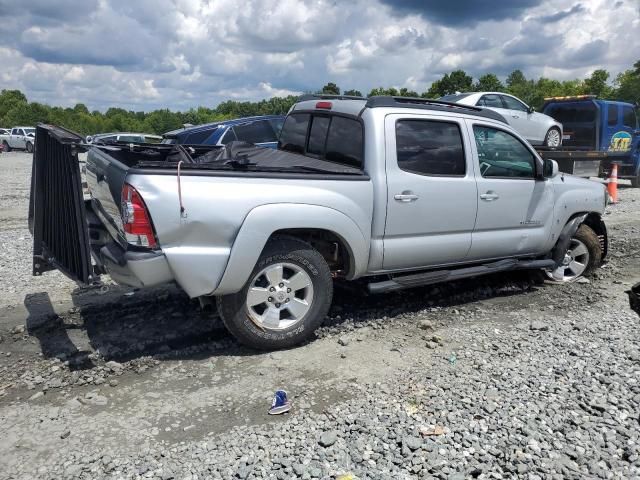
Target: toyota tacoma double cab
393,192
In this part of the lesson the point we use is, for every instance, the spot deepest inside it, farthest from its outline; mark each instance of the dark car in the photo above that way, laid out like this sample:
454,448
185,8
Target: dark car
263,131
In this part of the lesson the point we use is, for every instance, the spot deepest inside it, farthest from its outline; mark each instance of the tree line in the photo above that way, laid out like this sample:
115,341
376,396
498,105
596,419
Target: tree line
15,109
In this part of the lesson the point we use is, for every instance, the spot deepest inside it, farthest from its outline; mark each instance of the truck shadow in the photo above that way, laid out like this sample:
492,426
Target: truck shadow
167,325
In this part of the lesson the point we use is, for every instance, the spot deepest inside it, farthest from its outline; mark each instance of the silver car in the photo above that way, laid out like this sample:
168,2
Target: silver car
537,128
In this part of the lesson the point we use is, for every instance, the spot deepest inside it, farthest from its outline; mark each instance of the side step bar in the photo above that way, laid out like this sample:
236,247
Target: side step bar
401,282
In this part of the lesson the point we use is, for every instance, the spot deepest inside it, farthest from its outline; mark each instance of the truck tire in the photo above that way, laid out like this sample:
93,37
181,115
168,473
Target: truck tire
582,258
285,300
29,147
553,138
635,181
6,146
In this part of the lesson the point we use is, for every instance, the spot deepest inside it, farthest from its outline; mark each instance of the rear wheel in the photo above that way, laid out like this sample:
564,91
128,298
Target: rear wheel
285,300
635,182
29,147
581,259
6,146
553,138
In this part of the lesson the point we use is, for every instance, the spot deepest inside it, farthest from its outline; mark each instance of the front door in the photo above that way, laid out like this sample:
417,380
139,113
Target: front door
525,123
431,191
515,211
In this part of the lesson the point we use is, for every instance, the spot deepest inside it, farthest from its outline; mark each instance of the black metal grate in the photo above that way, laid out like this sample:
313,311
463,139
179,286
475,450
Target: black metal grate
56,211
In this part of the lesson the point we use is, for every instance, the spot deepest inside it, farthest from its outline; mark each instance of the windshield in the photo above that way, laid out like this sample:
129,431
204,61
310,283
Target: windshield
454,97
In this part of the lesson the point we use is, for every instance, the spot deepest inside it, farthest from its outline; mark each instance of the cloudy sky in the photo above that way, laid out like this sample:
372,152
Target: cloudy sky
146,54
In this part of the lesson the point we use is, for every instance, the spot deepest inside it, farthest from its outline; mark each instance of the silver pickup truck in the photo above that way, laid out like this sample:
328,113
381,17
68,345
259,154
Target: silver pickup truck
395,192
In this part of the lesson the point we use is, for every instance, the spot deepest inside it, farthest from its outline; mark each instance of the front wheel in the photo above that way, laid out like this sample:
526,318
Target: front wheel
285,300
6,146
553,138
635,181
29,147
581,259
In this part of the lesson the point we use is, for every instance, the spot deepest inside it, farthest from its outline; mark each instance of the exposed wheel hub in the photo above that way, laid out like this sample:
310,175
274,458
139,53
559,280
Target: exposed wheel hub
574,263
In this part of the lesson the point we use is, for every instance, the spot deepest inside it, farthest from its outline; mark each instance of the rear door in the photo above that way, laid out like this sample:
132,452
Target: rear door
515,211
431,191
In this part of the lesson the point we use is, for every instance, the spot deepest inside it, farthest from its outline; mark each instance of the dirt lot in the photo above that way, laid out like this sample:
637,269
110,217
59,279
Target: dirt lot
497,377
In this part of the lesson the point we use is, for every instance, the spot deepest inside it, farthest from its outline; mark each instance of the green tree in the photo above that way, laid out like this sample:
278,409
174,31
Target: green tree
381,91
627,84
489,82
331,89
456,81
519,86
597,84
353,93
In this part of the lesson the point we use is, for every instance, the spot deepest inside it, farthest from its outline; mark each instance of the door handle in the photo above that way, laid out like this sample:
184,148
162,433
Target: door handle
406,196
515,116
490,196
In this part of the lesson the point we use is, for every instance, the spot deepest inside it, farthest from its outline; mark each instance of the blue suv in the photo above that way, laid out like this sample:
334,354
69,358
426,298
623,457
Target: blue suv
263,131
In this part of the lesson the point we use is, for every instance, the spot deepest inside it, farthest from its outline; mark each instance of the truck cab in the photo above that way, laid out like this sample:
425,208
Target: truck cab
607,126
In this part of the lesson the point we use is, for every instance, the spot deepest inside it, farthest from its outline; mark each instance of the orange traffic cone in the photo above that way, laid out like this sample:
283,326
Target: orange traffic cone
612,183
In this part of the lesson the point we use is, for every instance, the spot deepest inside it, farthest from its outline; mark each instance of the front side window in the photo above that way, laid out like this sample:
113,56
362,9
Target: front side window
612,115
255,132
15,131
513,103
501,155
629,117
492,101
428,147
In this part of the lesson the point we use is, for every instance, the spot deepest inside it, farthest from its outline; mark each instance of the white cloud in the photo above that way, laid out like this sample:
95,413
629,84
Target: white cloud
147,54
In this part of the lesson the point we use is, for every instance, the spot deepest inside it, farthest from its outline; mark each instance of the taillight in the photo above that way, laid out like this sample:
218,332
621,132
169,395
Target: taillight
324,105
135,218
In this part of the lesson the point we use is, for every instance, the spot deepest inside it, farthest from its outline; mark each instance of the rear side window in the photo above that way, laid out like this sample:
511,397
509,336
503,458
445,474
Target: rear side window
294,133
255,132
612,115
428,147
501,155
629,117
198,138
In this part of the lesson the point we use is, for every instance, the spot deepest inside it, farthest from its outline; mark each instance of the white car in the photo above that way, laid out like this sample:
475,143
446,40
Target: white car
19,138
537,128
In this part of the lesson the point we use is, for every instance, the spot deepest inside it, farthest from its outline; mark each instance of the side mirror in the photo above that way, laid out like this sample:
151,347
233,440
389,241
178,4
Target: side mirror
551,168
531,109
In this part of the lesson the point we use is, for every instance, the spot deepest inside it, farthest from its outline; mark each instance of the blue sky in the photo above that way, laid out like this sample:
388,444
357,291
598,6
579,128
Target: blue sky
147,54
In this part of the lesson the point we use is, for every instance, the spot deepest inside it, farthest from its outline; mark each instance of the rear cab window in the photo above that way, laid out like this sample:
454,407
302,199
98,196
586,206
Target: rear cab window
198,138
331,137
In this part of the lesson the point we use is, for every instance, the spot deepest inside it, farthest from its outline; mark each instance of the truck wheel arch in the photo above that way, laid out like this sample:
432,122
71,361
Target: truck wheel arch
297,220
594,221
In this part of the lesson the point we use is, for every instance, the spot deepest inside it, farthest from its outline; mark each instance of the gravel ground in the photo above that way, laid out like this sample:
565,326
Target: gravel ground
498,377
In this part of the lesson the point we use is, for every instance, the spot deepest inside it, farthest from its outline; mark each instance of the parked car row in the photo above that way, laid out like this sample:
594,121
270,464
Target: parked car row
17,138
125,137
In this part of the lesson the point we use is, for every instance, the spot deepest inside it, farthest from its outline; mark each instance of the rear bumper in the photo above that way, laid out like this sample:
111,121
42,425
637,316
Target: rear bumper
134,268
